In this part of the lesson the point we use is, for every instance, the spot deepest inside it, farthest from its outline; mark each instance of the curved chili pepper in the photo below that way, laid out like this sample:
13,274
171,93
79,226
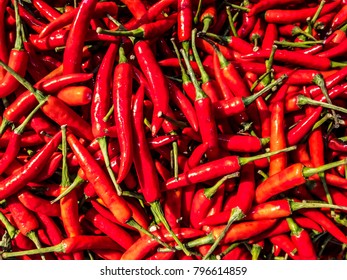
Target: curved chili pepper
284,242
339,18
156,80
101,9
46,10
75,41
302,240
30,170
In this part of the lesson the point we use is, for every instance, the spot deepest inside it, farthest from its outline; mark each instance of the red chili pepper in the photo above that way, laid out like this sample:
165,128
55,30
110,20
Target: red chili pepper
302,240
73,51
122,95
300,15
277,133
3,46
30,170
296,58
56,109
137,8
71,245
151,30
38,204
17,60
212,170
263,6
75,95
184,22
46,10
288,178
144,245
339,18
284,242
115,232
156,80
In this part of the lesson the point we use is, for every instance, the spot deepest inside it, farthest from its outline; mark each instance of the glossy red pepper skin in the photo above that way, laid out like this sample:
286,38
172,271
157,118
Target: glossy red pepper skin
102,184
158,87
30,170
143,161
122,96
72,58
184,20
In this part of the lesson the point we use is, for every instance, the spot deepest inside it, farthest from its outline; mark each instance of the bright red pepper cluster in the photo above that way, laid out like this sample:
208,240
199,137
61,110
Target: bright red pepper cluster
173,129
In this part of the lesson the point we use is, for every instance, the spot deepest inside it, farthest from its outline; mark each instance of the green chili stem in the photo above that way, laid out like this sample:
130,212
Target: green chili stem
158,213
77,182
236,215
245,160
211,191
248,100
310,171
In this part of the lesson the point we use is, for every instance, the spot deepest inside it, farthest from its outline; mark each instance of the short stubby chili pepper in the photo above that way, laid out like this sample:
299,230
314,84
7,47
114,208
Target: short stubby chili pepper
289,178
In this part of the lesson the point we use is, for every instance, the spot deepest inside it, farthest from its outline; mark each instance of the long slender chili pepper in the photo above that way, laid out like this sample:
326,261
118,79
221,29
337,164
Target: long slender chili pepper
262,6
17,60
56,109
119,235
101,105
203,108
122,94
184,22
144,165
296,58
73,51
214,169
288,178
284,242
69,204
277,134
30,170
71,245
101,9
156,80
46,10
294,16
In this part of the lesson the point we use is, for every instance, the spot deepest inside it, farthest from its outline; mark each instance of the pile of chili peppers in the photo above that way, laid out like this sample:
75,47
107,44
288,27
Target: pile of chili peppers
173,129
